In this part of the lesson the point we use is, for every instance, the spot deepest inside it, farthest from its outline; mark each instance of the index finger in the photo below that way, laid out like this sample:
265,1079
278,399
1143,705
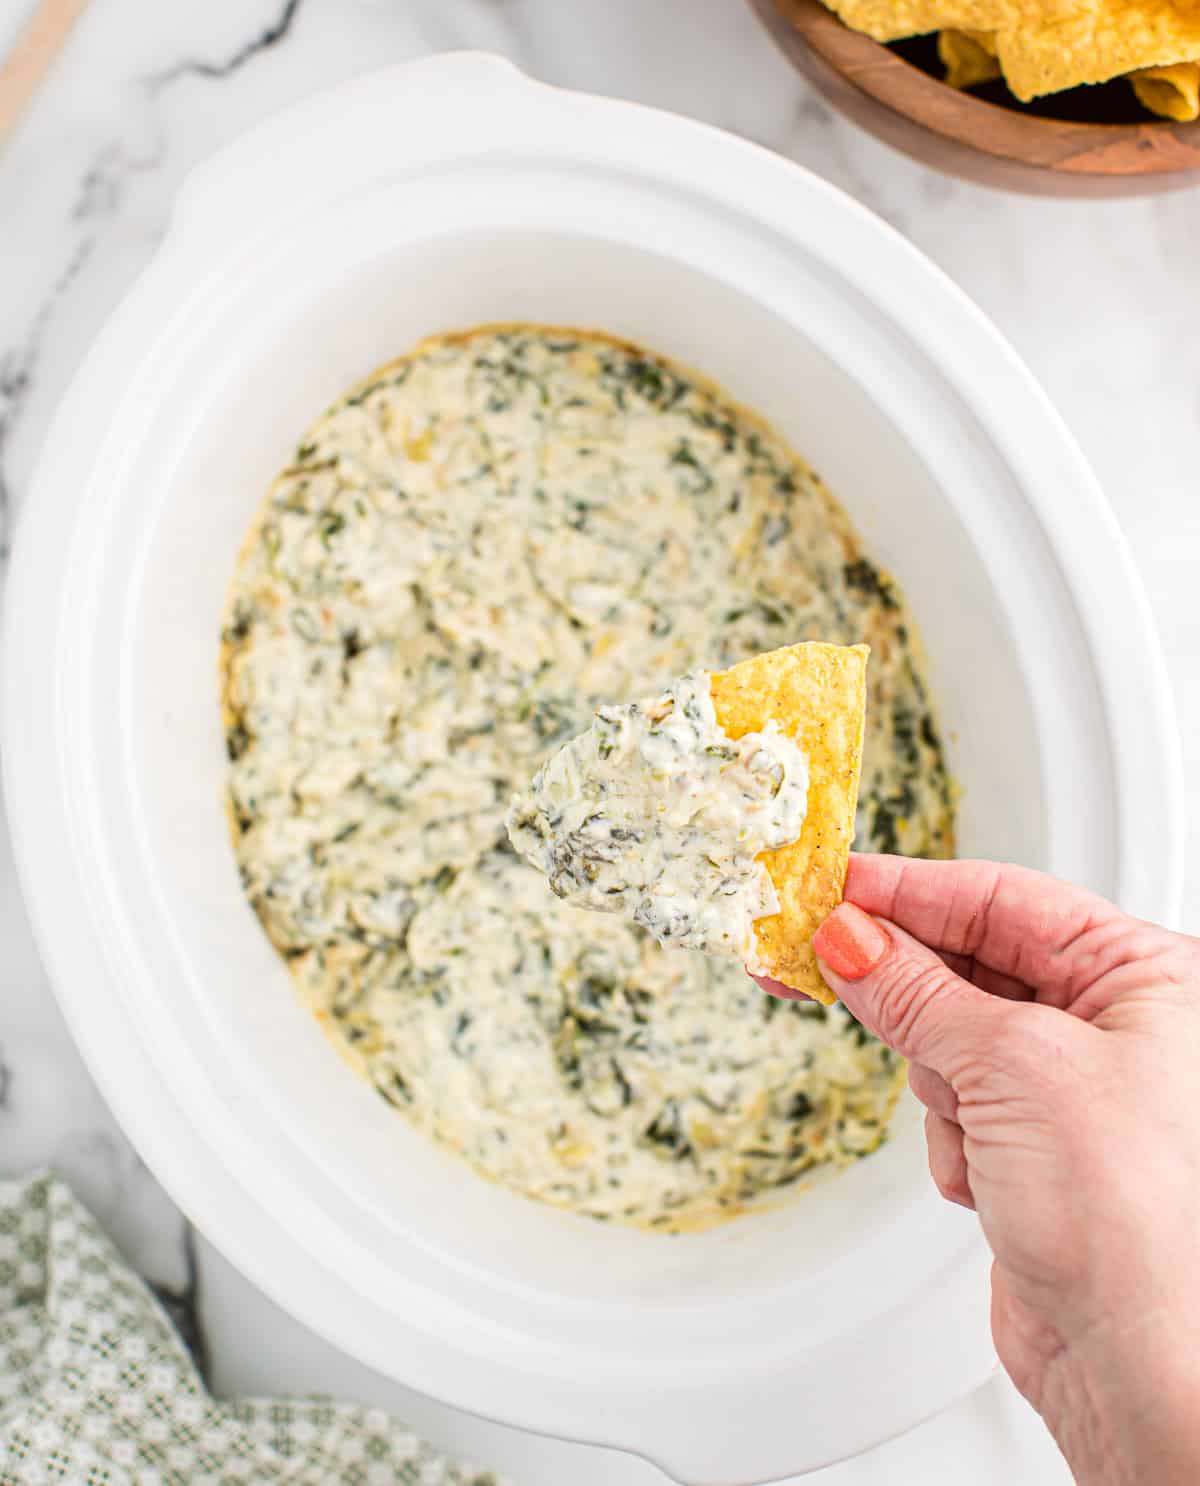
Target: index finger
1019,923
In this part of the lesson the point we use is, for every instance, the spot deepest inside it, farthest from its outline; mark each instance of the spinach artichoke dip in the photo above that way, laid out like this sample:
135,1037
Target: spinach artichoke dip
656,813
468,555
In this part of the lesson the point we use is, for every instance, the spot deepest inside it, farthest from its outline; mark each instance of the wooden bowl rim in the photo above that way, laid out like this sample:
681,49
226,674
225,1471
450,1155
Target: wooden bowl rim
1160,146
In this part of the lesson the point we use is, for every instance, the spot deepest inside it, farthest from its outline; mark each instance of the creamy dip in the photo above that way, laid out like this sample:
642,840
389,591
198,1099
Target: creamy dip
465,557
656,813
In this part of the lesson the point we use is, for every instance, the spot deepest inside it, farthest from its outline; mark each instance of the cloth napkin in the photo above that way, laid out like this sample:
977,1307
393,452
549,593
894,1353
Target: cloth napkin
96,1386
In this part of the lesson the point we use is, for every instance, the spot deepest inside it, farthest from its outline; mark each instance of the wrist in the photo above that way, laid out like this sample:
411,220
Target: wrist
1127,1412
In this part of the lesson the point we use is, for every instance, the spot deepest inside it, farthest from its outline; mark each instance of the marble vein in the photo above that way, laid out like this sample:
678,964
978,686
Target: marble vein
99,198
17,367
270,36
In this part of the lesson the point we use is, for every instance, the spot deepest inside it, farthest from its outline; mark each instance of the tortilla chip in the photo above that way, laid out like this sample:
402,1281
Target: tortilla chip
889,20
969,57
1173,92
1114,37
817,694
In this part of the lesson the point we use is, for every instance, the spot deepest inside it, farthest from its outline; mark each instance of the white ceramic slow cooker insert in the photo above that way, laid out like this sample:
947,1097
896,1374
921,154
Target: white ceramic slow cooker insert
437,196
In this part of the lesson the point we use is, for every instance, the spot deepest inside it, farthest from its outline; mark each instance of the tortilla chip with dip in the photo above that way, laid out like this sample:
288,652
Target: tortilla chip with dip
817,694
718,815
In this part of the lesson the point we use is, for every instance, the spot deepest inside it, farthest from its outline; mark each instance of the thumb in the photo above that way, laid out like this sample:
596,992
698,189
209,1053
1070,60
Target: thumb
905,993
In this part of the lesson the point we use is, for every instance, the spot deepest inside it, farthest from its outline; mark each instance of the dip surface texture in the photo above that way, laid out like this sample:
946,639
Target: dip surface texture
657,814
466,557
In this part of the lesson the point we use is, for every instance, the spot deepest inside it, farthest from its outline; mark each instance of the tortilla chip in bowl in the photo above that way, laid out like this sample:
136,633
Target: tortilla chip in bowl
1058,97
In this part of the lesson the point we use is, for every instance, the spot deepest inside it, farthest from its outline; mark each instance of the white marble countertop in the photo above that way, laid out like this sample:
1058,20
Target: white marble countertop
1102,298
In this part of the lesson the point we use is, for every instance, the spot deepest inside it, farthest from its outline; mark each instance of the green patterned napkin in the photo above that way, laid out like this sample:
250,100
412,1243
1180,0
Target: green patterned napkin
97,1388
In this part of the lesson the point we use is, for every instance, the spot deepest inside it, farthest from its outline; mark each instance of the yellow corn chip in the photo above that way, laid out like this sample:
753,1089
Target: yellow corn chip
969,57
889,20
1114,37
817,694
1173,92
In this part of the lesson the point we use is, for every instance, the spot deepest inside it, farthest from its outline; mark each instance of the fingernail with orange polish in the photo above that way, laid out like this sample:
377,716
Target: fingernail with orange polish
850,942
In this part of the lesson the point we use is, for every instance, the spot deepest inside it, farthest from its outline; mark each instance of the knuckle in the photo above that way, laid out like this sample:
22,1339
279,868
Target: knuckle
947,1184
910,1000
932,1090
973,906
959,1193
1183,955
1035,1038
947,1162
1032,1056
942,1179
1014,1045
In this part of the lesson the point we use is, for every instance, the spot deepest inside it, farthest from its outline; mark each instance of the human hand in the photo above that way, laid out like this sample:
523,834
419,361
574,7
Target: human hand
1055,1043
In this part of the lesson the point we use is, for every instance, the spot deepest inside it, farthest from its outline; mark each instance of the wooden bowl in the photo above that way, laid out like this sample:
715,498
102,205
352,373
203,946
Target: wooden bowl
913,110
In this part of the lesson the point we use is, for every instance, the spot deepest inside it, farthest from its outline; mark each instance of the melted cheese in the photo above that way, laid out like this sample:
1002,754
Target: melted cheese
657,814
